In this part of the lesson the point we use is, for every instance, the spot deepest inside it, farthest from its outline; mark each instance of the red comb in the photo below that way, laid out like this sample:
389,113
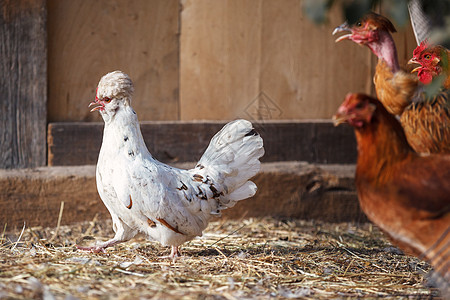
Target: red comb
423,45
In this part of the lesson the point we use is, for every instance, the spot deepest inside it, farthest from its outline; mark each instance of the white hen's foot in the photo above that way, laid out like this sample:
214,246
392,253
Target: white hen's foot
174,254
99,248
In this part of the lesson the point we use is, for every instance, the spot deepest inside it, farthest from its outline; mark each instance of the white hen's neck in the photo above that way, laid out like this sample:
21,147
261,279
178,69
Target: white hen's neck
123,132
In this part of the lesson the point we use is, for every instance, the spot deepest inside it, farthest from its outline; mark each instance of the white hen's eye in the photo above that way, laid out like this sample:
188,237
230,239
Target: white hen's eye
107,99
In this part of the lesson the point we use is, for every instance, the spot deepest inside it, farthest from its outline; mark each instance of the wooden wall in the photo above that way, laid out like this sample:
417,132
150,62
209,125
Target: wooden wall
190,60
234,51
88,39
205,59
23,83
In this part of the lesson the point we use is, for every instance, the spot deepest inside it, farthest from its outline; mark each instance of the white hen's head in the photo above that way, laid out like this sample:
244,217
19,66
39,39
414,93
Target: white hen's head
114,91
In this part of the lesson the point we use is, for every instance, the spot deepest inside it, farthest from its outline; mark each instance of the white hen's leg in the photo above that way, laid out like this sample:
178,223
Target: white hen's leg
174,253
123,234
100,247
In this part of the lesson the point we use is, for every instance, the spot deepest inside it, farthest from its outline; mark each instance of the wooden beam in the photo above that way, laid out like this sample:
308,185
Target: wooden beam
176,141
23,83
285,190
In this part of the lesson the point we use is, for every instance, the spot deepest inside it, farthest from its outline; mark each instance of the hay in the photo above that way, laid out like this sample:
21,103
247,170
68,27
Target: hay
254,258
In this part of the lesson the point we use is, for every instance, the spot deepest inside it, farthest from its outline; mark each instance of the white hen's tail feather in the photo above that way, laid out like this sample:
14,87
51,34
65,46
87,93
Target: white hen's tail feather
234,154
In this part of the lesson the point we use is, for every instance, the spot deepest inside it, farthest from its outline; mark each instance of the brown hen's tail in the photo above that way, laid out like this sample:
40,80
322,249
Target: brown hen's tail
439,256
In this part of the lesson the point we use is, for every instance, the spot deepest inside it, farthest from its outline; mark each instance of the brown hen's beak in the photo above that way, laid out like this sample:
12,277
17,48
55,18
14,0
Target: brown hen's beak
100,105
414,61
416,69
342,28
339,119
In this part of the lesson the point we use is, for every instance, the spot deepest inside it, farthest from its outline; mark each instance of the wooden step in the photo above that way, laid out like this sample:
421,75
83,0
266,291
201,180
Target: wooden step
285,189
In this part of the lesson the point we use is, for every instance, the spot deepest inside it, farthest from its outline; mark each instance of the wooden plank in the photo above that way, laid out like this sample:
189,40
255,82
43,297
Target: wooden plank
220,58
88,39
302,190
233,51
238,54
23,83
34,196
315,142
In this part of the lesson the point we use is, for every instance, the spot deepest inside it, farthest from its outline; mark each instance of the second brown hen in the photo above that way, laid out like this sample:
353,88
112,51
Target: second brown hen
404,193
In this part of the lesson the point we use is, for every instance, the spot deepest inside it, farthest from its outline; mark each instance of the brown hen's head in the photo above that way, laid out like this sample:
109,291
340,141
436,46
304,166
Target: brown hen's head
366,30
433,60
356,110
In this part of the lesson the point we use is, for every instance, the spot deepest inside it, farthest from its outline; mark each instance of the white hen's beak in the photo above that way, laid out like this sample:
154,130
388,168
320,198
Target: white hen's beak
100,106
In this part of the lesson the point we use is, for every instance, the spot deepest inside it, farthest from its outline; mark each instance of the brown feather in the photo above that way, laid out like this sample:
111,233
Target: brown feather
151,223
131,203
395,91
378,22
163,222
427,124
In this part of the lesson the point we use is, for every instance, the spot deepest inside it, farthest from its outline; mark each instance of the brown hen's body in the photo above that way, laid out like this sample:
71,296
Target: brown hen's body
406,194
425,119
427,124
394,90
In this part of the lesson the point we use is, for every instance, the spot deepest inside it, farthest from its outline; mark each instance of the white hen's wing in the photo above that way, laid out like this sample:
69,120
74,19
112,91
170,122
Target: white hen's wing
182,200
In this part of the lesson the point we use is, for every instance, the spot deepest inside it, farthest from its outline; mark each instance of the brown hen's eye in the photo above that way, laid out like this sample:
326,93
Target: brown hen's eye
107,100
358,24
359,105
427,56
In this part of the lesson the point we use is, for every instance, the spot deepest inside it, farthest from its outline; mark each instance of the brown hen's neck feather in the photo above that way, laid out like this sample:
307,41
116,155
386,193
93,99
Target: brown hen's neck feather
381,143
447,70
384,48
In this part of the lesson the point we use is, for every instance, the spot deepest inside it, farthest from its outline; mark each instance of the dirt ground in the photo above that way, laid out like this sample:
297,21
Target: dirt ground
252,258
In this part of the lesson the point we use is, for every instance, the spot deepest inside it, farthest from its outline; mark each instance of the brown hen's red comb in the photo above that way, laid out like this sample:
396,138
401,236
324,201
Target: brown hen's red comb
423,45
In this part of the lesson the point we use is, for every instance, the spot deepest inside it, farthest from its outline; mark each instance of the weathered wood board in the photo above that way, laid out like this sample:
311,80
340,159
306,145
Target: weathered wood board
23,83
268,56
205,60
302,190
88,39
315,142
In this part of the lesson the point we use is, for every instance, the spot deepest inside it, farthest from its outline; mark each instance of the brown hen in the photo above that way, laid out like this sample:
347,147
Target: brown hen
406,194
433,62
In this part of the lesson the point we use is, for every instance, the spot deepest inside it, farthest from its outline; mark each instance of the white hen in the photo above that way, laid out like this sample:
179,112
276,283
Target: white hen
167,204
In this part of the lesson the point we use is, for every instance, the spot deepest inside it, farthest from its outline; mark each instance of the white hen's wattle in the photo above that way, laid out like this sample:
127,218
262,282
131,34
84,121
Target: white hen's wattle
167,204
